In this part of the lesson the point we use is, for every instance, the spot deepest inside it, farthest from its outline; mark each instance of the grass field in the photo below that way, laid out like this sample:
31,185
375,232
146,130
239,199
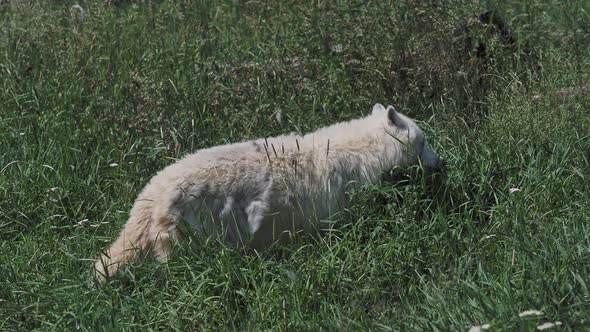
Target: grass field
91,107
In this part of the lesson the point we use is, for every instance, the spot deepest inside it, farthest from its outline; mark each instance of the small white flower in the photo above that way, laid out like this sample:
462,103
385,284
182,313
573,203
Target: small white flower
279,116
531,313
53,189
514,190
337,48
114,165
291,275
548,325
479,328
80,11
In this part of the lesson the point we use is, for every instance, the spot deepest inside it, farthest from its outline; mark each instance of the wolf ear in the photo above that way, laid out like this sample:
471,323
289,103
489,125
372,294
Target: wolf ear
378,109
394,119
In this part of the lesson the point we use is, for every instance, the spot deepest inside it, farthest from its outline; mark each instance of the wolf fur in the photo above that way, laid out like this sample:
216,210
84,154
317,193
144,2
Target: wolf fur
257,193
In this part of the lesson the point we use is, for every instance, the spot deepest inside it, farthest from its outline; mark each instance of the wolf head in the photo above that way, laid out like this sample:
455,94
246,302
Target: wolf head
401,130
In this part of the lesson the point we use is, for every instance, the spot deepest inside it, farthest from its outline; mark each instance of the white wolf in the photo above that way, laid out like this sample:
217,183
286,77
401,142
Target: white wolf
256,193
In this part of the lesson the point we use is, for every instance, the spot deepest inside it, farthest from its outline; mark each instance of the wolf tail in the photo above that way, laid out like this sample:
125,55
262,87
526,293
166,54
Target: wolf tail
144,234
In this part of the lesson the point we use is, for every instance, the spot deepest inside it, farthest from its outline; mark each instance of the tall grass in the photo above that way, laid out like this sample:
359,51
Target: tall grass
91,108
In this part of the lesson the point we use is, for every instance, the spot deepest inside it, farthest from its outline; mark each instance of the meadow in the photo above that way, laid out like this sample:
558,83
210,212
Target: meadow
96,98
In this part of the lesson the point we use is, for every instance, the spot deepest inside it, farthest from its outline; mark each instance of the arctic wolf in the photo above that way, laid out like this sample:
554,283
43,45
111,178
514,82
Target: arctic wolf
256,193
